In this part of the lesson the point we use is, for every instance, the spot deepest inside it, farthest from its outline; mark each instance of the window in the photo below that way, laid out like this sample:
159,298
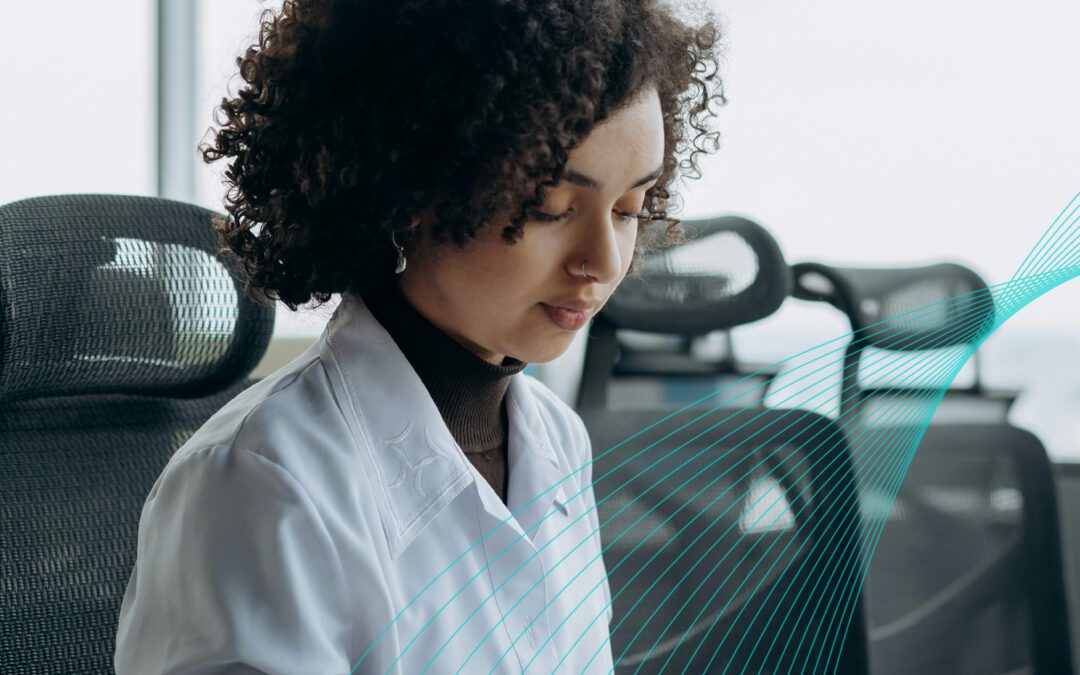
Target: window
78,113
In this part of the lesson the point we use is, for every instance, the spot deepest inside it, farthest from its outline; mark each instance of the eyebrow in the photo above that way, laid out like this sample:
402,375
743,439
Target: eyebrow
581,179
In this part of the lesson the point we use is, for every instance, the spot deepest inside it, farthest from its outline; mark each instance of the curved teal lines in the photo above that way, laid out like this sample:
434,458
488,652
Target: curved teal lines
1007,306
786,413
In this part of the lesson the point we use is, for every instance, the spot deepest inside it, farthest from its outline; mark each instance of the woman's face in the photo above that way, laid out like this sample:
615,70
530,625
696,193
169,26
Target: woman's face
498,299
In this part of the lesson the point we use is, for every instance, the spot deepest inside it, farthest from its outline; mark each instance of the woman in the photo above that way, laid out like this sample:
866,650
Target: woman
475,179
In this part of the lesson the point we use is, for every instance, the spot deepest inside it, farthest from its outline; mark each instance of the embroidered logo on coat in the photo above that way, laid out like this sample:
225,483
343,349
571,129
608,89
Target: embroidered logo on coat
415,466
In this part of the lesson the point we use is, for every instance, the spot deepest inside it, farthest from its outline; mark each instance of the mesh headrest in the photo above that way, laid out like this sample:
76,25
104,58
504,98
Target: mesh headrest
730,272
122,295
877,300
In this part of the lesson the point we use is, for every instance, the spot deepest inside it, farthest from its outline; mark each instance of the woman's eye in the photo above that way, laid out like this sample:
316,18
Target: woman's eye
542,217
623,216
627,216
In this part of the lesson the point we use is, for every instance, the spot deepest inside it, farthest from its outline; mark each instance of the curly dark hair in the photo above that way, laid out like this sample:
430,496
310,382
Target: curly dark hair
356,116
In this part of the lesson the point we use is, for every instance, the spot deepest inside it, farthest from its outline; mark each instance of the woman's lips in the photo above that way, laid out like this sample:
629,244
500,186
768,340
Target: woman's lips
564,318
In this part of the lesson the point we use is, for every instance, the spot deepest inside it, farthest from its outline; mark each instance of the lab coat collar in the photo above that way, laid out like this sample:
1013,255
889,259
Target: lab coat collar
419,467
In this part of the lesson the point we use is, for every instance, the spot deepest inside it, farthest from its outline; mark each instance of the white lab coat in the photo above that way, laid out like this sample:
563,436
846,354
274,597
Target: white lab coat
326,513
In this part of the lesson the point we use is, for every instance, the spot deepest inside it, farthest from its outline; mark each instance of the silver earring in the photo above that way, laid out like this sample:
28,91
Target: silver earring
400,267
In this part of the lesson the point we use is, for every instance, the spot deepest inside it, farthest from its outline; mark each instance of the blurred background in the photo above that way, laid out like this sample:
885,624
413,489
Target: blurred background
869,134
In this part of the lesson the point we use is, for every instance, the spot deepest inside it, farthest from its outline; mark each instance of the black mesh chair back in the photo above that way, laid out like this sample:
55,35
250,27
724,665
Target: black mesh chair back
122,330
730,530
970,549
967,545
879,304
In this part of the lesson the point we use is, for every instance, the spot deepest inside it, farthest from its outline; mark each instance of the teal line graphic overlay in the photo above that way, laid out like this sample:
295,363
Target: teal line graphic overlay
788,504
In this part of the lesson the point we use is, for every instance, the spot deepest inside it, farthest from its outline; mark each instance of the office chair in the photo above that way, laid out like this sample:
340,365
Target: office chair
122,330
967,573
872,299
668,316
732,543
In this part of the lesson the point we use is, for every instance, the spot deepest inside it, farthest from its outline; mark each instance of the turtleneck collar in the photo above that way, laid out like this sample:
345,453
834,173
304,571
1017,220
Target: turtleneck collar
468,391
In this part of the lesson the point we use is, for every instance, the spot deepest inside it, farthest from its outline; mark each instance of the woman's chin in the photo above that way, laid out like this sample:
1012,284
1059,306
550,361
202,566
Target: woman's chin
551,349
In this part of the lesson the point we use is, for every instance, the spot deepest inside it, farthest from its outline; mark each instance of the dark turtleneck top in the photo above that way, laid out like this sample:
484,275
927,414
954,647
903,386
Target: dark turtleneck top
469,392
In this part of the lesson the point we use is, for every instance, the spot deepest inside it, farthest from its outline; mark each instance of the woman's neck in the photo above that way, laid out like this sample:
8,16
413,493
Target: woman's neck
467,389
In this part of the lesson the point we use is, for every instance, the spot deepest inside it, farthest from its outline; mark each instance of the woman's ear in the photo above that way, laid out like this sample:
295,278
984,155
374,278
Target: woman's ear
416,231
425,217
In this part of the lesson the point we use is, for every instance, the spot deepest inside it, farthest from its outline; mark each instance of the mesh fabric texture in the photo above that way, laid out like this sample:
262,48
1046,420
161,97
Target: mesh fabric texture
121,331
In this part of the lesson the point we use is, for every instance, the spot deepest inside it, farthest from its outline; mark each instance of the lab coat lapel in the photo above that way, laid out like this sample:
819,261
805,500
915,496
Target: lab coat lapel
418,463
419,466
536,477
515,544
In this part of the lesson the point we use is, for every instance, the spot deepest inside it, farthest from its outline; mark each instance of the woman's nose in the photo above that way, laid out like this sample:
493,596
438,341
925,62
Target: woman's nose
599,252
